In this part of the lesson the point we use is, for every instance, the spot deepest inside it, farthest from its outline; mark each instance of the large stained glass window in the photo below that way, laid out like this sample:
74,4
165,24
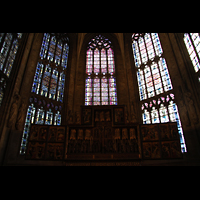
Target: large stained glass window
9,43
155,88
192,42
47,93
100,84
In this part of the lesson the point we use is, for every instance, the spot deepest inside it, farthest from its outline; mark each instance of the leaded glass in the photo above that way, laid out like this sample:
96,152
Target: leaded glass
40,116
52,47
154,79
58,52
53,84
192,42
45,81
28,121
57,119
49,117
154,116
61,86
146,117
9,44
65,56
2,88
37,78
5,49
45,44
49,82
100,83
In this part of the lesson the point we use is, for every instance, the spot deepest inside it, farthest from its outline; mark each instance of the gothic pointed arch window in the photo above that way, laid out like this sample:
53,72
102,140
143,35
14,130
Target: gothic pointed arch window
47,93
192,43
100,83
9,44
158,102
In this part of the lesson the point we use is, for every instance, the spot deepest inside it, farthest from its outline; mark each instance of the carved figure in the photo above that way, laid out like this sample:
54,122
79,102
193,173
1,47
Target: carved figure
80,134
124,134
78,120
107,114
97,116
132,134
87,115
52,134
117,133
13,111
184,114
87,134
133,114
191,107
102,116
70,117
21,115
73,134
61,135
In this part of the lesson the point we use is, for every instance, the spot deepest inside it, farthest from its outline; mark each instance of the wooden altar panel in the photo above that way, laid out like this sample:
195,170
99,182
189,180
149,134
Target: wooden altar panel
104,135
160,141
46,142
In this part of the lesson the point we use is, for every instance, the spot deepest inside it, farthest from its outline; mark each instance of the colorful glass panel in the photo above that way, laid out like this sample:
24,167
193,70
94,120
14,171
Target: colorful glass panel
58,52
154,116
192,42
37,78
52,47
61,86
2,88
49,117
57,118
65,56
40,116
53,85
5,49
154,79
28,121
45,81
49,81
45,44
100,84
146,117
11,58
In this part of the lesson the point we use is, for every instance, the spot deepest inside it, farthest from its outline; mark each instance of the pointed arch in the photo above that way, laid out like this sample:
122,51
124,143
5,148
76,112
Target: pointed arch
47,93
100,83
154,82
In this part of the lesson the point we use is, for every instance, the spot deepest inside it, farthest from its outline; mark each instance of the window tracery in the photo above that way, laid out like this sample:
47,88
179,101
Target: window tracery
192,43
155,87
9,44
47,91
100,84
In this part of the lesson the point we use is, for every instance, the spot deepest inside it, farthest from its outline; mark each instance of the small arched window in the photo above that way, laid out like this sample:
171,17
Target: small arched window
100,84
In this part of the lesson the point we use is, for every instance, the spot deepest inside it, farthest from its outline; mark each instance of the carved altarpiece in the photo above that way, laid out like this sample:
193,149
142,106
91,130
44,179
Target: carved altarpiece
102,135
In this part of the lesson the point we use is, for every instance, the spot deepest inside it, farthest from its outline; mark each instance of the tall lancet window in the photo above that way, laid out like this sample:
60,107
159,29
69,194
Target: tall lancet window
9,43
192,42
100,84
47,93
158,103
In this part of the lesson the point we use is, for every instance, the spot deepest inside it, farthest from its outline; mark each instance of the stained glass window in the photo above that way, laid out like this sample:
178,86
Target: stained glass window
153,77
49,83
155,87
100,84
9,43
192,42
